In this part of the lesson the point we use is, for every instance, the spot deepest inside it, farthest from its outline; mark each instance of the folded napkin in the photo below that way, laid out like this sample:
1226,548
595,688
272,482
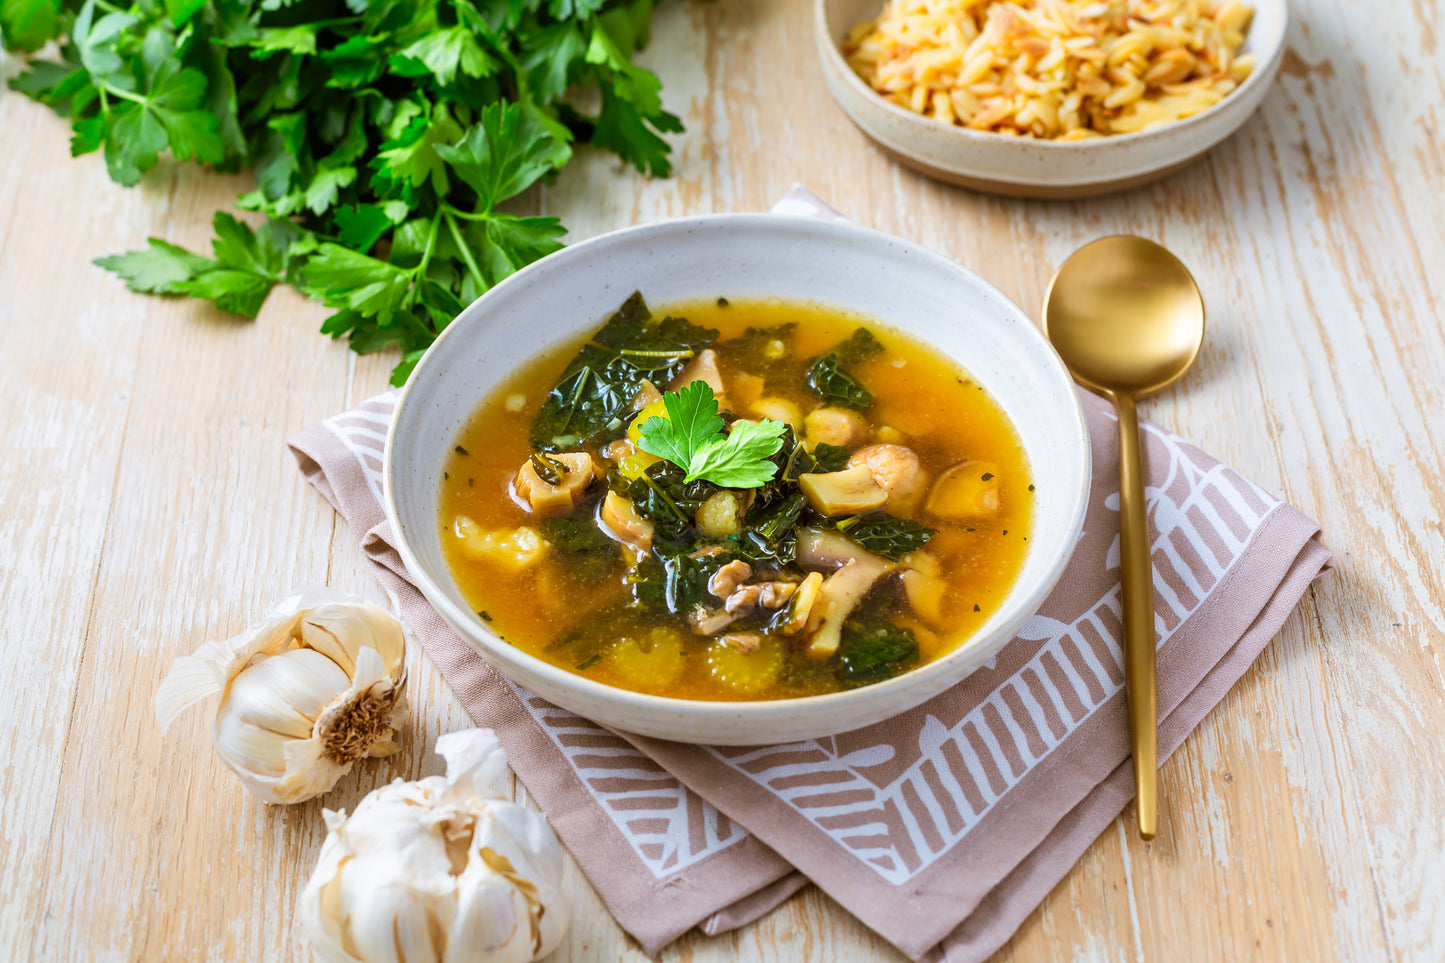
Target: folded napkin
942,828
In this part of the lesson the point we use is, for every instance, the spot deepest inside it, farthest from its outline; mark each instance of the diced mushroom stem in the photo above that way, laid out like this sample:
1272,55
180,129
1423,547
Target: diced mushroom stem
834,426
619,520
574,471
722,514
646,395
827,550
702,368
779,409
745,389
516,549
744,643
802,604
726,579
776,594
897,471
969,489
707,621
851,491
843,590
925,595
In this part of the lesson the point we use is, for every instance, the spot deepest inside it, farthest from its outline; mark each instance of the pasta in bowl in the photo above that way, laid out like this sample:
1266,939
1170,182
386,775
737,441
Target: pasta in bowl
1049,98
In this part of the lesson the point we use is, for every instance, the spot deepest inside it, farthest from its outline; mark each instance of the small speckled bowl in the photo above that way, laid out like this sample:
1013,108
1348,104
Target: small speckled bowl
1024,167
900,285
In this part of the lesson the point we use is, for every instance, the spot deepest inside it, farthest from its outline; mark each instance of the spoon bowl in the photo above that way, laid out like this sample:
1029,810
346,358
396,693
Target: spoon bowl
1128,320
1125,315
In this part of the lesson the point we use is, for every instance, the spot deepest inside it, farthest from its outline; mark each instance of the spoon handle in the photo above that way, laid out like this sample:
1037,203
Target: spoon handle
1137,568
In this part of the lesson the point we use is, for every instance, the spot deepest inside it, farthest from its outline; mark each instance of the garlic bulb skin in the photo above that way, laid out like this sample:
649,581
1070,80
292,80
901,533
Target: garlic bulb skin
438,871
305,693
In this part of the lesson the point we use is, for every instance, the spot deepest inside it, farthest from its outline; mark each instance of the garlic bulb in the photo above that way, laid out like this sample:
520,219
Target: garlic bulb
304,694
438,870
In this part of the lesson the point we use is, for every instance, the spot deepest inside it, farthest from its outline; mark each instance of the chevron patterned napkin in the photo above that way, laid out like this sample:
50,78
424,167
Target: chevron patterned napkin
942,828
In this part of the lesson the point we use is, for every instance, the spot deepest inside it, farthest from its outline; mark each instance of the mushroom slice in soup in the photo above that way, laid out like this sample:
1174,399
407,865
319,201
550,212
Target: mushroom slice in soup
825,550
969,489
843,590
567,478
706,621
801,605
702,368
897,471
925,595
852,491
619,520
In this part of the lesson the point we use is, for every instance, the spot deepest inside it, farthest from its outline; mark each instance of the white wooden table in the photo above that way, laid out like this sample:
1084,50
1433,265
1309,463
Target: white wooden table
147,504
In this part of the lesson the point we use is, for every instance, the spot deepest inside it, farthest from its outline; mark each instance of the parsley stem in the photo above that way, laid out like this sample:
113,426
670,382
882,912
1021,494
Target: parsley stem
464,248
105,88
431,243
465,215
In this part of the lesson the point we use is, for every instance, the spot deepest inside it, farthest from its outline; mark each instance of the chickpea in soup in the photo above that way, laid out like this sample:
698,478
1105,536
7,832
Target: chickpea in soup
737,501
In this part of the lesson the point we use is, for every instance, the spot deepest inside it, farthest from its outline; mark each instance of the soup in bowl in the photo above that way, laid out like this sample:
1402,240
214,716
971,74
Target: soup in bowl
738,479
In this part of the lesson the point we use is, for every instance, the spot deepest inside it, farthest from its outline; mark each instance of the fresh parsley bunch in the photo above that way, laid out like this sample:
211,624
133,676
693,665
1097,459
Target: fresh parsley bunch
384,135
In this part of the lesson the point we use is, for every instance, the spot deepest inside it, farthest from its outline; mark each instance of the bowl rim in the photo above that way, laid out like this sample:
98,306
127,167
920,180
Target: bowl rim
1022,607
1262,73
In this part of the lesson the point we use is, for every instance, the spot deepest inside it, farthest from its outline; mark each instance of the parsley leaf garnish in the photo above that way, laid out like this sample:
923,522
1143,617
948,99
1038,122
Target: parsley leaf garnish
384,137
692,437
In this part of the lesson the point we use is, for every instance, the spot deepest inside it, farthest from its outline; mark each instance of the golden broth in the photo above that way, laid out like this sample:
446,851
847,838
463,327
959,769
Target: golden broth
933,407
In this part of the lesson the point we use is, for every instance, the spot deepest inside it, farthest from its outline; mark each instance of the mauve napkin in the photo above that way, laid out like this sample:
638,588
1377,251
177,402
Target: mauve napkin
942,828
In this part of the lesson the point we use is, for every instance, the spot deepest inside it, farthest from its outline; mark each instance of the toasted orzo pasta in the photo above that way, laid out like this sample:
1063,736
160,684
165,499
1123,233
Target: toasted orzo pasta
1054,69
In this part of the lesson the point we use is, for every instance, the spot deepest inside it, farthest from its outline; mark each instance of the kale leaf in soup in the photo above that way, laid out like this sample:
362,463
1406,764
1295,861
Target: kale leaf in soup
588,403
870,506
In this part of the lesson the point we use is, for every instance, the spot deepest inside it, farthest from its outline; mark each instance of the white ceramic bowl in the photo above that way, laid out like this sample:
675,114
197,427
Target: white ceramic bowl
902,286
1023,167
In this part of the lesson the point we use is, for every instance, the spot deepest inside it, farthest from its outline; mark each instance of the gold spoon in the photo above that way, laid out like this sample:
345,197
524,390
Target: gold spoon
1128,320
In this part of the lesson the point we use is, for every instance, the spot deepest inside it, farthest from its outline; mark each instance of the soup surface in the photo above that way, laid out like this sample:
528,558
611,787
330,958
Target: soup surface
763,501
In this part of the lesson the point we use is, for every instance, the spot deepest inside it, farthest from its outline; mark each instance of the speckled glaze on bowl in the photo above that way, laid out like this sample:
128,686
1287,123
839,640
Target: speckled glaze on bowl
1023,167
899,284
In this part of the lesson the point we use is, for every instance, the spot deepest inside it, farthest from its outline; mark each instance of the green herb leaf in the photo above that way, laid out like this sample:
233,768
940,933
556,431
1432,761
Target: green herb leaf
591,401
443,53
885,535
836,386
692,437
28,24
675,579
157,269
861,346
502,155
299,39
387,137
872,653
691,424
741,460
548,469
